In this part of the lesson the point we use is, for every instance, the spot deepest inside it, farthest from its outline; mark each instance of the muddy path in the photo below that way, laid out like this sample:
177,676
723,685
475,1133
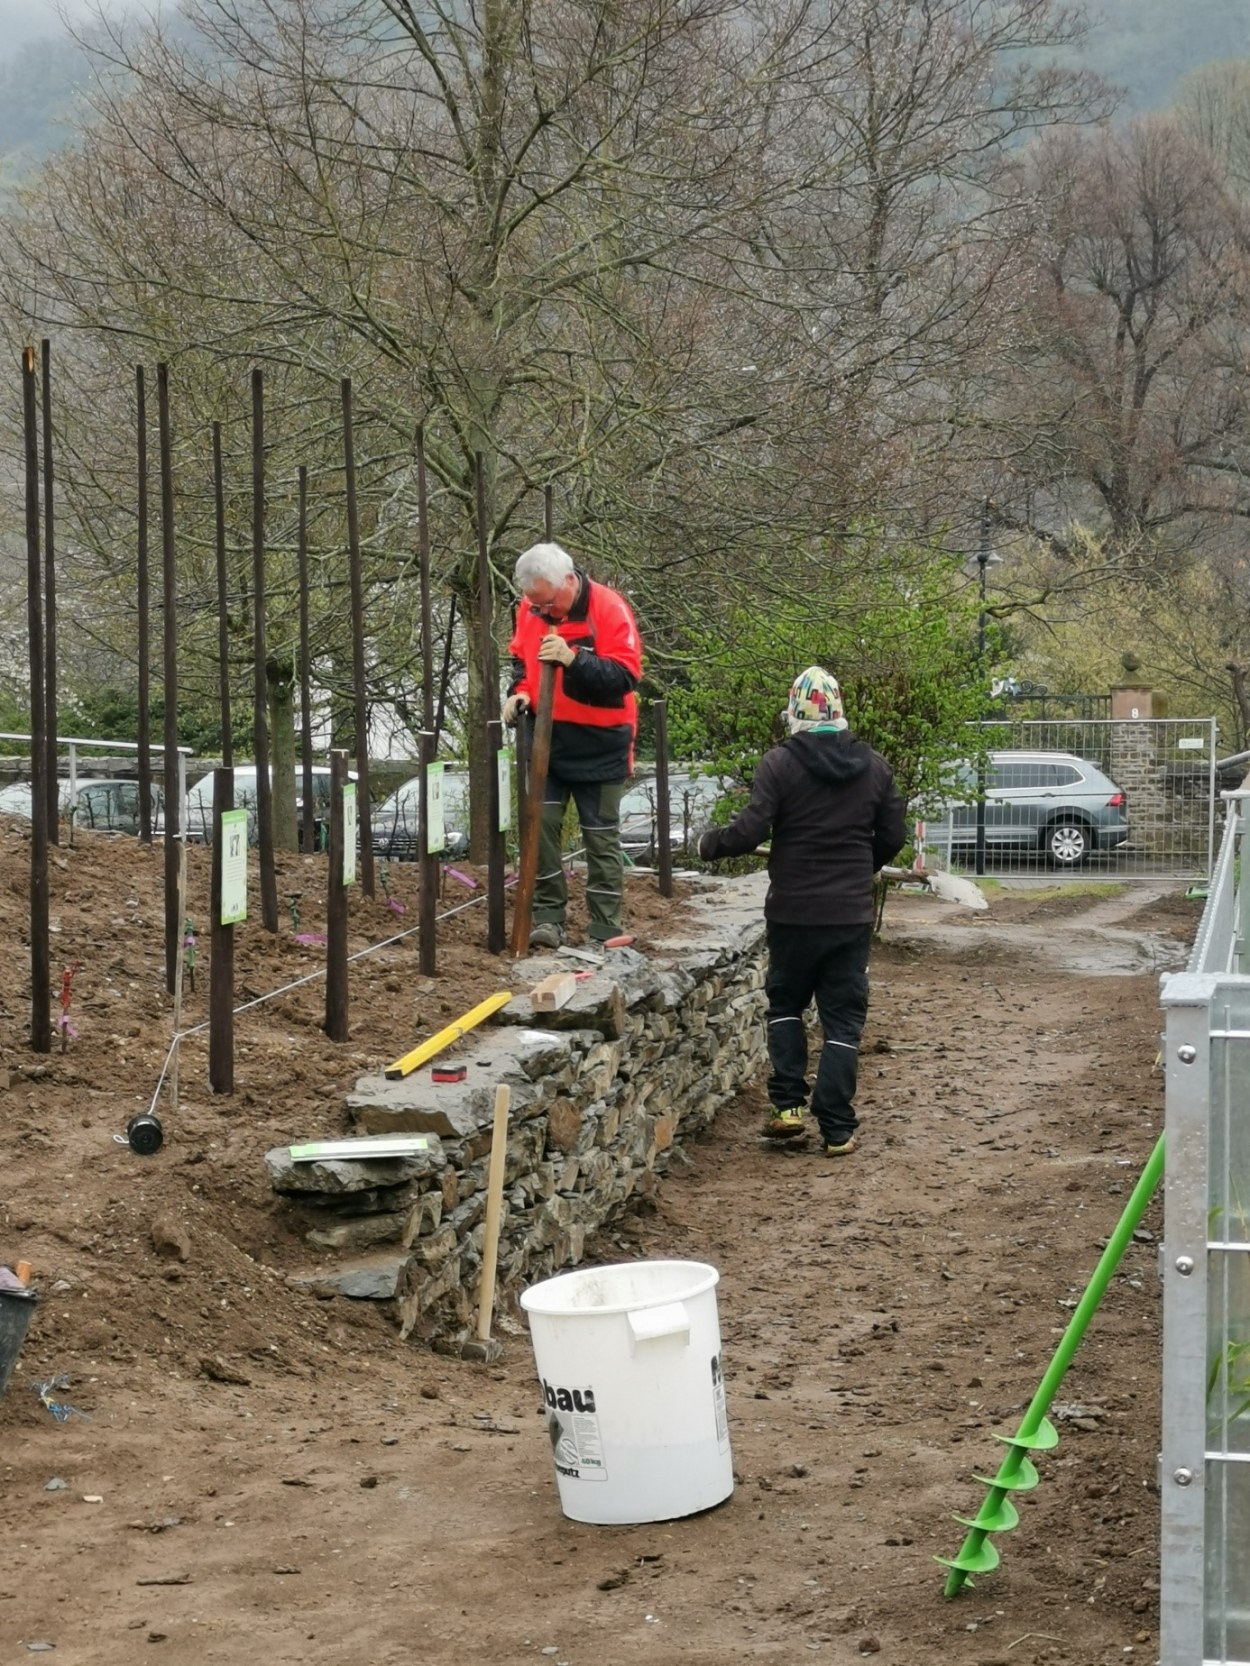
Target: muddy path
262,1477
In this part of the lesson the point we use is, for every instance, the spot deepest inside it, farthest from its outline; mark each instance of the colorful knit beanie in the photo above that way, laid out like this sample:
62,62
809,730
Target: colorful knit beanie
815,702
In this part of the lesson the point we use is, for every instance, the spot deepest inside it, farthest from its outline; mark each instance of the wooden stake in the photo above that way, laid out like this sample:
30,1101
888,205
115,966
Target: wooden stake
40,971
49,590
143,603
308,832
663,821
169,630
260,676
355,576
494,1210
223,609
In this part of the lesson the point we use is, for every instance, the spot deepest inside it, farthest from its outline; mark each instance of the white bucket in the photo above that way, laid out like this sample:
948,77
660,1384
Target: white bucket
629,1358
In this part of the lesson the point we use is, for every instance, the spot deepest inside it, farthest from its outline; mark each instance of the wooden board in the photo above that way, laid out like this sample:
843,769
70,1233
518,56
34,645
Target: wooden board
553,992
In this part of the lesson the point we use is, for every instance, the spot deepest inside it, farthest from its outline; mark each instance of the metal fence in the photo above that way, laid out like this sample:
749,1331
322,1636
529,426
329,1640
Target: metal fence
1205,1461
1124,798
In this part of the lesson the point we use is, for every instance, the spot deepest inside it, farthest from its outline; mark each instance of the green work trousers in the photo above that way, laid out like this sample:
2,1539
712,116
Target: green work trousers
599,814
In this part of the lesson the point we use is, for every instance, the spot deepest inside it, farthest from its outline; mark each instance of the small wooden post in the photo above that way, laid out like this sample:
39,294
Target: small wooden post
494,1210
427,901
663,826
221,952
336,907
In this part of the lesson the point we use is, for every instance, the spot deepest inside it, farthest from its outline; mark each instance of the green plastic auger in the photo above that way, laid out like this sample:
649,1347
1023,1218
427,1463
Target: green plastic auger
1017,1472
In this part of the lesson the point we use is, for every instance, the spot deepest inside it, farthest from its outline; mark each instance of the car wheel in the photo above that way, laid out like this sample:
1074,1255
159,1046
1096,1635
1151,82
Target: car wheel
1066,843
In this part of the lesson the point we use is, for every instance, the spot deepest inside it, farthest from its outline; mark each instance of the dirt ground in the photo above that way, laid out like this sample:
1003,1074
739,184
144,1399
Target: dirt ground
261,1475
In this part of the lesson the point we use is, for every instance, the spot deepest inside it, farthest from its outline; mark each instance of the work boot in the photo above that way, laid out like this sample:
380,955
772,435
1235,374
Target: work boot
547,935
784,1123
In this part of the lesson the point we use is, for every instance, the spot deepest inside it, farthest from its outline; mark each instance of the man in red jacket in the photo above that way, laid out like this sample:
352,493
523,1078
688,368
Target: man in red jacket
835,816
588,633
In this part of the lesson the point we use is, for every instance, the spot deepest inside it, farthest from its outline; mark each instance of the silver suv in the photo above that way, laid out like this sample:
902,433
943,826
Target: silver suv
1052,803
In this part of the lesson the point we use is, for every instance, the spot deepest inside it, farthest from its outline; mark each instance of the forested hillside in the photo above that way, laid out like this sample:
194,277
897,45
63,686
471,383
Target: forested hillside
863,308
1145,46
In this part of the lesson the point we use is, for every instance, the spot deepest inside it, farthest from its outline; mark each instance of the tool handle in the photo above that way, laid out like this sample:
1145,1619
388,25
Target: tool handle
494,1210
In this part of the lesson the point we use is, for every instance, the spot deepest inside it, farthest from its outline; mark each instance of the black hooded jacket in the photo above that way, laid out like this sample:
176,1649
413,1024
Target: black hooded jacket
835,816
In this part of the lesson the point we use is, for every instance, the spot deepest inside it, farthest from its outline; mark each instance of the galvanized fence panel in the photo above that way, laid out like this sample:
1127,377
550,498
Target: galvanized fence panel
1205,1460
1122,798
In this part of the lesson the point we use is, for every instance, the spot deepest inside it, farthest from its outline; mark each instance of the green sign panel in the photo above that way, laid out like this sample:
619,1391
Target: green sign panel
437,832
504,756
349,833
233,858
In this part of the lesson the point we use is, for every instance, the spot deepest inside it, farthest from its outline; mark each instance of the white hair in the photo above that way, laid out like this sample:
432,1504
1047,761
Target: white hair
548,562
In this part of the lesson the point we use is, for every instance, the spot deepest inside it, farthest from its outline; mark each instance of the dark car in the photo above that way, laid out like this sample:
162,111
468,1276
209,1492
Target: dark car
1053,803
692,798
395,823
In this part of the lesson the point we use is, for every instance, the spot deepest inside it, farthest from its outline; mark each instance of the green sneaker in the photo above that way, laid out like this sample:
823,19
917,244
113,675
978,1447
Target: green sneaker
784,1124
843,1150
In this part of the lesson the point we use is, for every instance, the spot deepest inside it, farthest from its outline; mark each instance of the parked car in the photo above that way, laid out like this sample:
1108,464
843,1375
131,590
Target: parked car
1053,803
199,828
395,823
692,799
104,803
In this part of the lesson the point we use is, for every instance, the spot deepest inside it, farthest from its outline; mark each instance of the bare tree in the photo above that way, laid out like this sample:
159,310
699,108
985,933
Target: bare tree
1126,411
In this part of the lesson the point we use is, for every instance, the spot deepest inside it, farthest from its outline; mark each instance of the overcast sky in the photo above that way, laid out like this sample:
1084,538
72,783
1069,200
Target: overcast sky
27,20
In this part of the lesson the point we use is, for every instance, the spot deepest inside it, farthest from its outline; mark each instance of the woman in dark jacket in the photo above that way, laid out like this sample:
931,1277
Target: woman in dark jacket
835,817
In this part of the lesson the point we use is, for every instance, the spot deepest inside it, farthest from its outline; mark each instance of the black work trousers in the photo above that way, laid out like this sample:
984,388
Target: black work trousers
829,964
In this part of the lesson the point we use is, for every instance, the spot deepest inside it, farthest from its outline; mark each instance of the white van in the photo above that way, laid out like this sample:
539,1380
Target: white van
199,827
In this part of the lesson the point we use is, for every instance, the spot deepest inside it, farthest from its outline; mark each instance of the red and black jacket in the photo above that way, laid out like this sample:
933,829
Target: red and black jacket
595,717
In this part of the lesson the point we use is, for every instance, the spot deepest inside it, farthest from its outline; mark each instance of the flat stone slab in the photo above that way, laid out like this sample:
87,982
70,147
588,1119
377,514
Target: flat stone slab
728,912
373,1278
600,1001
341,1175
457,1110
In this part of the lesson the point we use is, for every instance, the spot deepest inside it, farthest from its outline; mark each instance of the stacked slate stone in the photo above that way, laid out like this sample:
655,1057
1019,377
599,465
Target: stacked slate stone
602,1091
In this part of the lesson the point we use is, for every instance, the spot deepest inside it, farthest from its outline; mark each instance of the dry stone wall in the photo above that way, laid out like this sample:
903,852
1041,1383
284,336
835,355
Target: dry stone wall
603,1091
